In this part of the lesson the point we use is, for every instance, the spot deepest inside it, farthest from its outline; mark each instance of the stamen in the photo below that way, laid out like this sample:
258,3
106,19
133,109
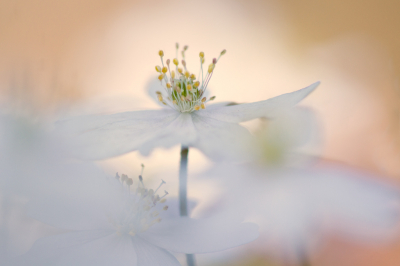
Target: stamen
187,92
162,183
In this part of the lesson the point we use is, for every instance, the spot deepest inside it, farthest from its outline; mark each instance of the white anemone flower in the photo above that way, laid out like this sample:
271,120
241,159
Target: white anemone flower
109,222
184,120
295,203
295,208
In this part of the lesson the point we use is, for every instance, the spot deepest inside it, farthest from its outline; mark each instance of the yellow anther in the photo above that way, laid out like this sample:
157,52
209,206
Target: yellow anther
158,68
164,70
176,61
189,87
158,92
196,107
211,68
201,54
182,98
223,52
160,98
203,106
168,85
204,99
202,60
161,53
196,84
180,70
160,77
172,74
192,76
187,74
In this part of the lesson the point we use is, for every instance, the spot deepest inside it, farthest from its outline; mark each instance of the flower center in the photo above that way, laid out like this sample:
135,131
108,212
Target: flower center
140,209
184,92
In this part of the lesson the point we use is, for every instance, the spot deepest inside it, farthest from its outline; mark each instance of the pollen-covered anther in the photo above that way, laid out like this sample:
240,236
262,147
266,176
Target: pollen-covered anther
197,107
164,70
168,85
161,77
196,84
201,55
192,76
175,61
204,99
172,74
187,74
211,68
180,70
161,53
203,106
158,68
189,87
160,98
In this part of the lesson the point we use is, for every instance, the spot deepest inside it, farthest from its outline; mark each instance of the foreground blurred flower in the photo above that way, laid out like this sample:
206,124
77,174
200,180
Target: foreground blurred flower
113,224
214,131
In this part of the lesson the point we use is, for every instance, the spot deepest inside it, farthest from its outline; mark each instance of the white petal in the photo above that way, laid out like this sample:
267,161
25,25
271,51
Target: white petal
220,140
74,199
179,131
360,205
150,255
200,236
269,108
99,137
81,248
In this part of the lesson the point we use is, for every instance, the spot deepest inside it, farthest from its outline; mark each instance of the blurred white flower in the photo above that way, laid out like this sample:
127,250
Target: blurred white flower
295,207
110,223
214,131
292,139
295,204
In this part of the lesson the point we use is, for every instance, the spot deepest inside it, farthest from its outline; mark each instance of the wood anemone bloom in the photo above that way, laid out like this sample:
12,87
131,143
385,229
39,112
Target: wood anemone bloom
184,119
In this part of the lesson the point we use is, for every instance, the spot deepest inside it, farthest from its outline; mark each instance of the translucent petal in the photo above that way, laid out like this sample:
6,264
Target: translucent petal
269,108
200,236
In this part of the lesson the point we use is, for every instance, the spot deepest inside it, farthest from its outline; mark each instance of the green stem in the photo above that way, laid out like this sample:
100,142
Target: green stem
183,207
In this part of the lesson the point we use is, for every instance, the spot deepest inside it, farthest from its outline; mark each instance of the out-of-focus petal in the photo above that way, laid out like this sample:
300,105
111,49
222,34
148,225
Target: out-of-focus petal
80,248
150,255
220,140
269,108
200,236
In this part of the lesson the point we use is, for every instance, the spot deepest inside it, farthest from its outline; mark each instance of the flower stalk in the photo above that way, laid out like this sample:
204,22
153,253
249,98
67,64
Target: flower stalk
183,208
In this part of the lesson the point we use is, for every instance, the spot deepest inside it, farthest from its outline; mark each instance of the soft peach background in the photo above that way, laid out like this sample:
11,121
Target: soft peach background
103,53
